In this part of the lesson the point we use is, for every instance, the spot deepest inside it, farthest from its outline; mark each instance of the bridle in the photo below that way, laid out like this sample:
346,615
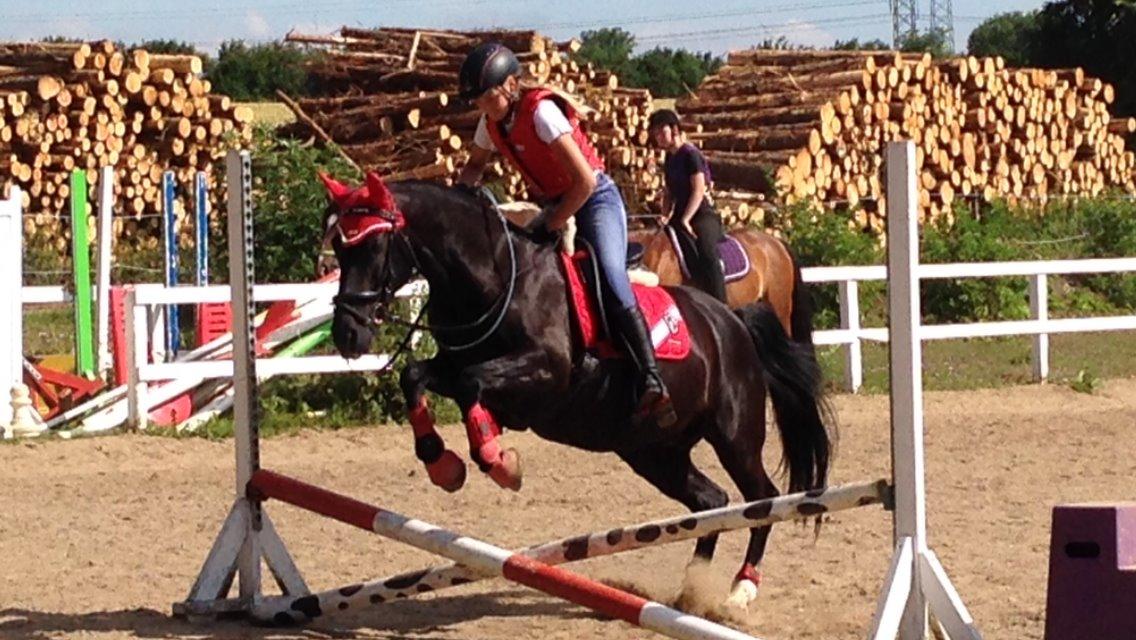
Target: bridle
351,301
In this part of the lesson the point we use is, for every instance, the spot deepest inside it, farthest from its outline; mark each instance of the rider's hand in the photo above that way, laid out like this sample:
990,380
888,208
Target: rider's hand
689,229
326,264
539,231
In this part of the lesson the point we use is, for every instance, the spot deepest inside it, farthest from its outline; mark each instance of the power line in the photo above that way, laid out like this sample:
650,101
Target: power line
228,11
789,26
690,17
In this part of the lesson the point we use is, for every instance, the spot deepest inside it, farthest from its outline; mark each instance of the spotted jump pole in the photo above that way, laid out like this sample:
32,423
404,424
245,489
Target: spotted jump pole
489,560
760,513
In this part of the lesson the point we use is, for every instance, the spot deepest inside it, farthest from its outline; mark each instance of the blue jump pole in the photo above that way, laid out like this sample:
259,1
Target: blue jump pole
169,218
201,213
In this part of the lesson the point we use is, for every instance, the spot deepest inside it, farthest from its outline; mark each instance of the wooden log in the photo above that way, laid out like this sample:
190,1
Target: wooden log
175,62
768,139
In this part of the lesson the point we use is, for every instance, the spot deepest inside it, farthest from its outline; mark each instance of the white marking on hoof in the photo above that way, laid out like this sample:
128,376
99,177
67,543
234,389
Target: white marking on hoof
743,593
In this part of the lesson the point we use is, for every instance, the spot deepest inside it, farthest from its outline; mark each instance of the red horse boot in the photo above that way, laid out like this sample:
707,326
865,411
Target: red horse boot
444,467
503,466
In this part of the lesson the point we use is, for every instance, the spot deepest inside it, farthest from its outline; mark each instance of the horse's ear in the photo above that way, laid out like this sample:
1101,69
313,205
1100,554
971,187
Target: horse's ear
336,190
379,195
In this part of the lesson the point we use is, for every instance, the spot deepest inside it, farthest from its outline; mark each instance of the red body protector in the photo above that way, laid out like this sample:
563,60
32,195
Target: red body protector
542,172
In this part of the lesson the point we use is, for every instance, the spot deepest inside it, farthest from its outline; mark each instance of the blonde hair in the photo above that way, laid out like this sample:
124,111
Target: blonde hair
581,109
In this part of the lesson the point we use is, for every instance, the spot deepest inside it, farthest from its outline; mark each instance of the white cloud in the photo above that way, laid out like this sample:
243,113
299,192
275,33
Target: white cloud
256,25
807,33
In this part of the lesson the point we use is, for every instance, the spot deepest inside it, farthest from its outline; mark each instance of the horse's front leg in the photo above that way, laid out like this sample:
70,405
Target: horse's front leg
444,467
526,374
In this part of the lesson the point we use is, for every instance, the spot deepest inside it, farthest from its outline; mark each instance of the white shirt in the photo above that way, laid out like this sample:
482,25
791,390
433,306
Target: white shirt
549,120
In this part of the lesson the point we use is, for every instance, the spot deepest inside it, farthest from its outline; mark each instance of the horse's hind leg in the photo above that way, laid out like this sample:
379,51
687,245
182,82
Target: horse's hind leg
671,471
740,454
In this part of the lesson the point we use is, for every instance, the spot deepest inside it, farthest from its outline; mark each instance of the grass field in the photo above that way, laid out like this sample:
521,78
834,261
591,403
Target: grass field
270,113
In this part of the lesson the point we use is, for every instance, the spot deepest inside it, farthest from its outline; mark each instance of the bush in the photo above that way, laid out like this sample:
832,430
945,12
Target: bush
255,72
830,238
1074,229
989,238
288,208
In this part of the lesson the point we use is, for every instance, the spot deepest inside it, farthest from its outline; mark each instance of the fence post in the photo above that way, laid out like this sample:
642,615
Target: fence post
102,279
201,213
81,271
11,317
850,320
169,219
1039,310
137,334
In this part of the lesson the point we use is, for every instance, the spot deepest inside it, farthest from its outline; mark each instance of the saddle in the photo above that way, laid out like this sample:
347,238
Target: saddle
669,332
735,261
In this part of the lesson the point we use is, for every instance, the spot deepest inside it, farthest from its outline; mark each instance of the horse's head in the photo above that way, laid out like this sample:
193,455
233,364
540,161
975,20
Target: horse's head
365,225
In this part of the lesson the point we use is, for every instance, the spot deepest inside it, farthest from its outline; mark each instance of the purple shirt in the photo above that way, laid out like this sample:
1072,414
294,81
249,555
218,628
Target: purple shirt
678,168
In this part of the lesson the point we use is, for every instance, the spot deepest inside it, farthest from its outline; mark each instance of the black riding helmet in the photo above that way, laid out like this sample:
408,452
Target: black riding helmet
663,118
487,66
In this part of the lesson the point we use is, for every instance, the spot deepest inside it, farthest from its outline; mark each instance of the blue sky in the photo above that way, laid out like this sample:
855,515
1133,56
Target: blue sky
709,26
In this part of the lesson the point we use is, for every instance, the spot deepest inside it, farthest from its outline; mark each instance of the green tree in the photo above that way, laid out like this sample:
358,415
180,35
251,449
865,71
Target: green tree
669,72
855,45
1097,35
608,48
666,72
932,42
167,46
255,72
780,42
1010,35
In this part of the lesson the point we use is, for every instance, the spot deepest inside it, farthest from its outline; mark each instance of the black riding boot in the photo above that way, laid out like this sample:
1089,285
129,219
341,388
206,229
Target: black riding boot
654,402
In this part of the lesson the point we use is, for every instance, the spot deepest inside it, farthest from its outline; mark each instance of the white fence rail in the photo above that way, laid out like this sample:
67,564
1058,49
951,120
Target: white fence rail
145,302
149,298
851,334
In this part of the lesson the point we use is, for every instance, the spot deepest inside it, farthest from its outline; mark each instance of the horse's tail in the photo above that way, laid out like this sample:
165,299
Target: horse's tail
794,381
801,317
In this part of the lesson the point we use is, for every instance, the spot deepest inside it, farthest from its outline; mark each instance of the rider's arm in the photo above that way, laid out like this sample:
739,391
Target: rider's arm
697,192
668,205
583,176
473,170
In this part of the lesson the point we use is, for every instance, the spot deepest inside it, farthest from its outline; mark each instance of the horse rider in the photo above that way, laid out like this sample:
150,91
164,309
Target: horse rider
687,207
538,131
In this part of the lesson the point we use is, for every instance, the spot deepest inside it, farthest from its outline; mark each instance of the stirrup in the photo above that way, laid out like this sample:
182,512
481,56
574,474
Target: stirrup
656,405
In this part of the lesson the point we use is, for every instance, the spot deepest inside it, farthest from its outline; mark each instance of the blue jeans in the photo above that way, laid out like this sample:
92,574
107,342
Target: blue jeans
602,221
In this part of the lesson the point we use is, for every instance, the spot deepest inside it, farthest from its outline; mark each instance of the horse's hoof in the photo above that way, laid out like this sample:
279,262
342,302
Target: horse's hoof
743,593
447,472
506,472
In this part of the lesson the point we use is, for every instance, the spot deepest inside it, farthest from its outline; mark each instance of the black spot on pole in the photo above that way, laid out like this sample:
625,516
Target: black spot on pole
649,533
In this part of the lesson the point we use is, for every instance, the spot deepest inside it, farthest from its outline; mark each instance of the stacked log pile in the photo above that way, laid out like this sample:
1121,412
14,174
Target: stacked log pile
812,125
386,97
75,105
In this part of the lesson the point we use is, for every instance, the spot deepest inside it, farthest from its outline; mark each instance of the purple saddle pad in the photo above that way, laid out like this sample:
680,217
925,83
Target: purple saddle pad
731,253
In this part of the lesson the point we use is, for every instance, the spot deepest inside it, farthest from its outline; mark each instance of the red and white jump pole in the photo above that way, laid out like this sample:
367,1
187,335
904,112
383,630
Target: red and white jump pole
490,560
611,541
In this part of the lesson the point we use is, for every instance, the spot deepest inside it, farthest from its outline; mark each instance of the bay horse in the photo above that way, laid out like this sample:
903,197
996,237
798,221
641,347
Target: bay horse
499,311
774,277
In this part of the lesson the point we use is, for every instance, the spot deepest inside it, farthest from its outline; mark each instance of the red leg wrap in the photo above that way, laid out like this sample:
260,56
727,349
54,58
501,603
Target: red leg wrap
748,572
503,466
444,467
